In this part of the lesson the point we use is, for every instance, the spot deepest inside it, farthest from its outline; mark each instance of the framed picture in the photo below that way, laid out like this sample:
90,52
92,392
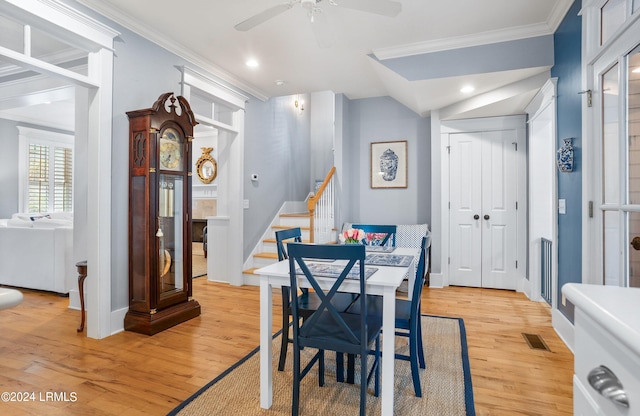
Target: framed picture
389,164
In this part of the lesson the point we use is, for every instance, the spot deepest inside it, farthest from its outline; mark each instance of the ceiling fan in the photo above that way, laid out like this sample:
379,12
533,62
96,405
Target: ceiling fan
381,7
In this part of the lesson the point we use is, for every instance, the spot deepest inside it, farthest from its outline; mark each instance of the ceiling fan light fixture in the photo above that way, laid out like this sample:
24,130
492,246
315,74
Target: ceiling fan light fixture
381,7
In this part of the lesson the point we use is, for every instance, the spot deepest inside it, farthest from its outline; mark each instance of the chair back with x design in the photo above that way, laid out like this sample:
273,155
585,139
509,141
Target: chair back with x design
293,234
328,328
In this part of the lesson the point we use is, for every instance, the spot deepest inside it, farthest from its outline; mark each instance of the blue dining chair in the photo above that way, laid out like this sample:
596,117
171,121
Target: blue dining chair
408,318
329,328
308,301
389,232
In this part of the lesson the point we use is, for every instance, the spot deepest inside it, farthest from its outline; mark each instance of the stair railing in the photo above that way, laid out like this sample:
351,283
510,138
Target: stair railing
321,208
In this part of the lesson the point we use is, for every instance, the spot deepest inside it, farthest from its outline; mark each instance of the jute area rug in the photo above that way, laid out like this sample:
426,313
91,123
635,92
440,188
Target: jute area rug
446,382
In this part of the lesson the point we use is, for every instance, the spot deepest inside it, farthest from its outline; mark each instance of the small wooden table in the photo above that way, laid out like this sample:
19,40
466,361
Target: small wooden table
82,274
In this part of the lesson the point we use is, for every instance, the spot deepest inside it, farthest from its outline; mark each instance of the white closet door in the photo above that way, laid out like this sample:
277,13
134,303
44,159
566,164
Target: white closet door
499,191
466,209
483,227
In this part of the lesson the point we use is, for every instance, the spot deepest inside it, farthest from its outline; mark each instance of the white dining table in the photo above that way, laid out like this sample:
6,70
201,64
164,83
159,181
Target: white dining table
383,282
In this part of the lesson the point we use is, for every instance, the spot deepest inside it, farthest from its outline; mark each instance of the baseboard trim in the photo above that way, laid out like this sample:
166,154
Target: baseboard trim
564,328
117,320
74,299
436,280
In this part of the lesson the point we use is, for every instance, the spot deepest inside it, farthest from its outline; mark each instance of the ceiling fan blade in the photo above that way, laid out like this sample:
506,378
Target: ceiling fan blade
263,16
322,31
382,7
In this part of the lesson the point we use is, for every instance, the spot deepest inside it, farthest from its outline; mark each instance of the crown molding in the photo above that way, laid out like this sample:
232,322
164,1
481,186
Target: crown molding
496,36
477,39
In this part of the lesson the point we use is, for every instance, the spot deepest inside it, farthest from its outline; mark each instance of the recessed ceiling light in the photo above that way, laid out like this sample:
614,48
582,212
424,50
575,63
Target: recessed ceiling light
252,63
279,82
467,89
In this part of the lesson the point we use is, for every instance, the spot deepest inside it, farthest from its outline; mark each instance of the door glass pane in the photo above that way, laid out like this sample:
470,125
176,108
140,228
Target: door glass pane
612,15
611,252
170,233
610,137
633,121
634,251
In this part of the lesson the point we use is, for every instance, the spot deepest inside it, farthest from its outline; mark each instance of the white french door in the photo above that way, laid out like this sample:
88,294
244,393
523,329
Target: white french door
617,186
483,208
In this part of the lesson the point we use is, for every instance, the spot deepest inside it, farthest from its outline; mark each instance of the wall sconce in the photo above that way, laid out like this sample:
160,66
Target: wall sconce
299,105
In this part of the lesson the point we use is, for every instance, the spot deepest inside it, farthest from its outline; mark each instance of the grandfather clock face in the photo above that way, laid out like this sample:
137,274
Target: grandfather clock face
171,150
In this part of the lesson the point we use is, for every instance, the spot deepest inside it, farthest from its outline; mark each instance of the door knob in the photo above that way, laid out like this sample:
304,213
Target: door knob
486,217
476,217
636,243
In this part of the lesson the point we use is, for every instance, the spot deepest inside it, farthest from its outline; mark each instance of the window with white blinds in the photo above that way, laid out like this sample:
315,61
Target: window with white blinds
50,178
48,171
38,178
62,179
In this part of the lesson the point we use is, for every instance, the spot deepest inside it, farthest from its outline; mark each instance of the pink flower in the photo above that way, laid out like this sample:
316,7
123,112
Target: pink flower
352,235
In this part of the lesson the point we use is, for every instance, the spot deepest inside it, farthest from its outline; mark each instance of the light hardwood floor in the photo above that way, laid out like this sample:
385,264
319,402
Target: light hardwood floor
133,374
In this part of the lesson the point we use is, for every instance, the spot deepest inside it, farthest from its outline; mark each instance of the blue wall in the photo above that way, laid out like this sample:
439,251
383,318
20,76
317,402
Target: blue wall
567,68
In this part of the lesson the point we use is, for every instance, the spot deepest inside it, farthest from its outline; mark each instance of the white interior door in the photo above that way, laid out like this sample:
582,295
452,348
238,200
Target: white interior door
466,210
483,192
499,190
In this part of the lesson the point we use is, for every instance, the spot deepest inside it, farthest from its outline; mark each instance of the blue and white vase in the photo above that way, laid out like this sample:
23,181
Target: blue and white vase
564,156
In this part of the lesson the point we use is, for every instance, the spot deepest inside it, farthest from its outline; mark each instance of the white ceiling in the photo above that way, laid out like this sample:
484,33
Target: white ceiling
202,31
285,46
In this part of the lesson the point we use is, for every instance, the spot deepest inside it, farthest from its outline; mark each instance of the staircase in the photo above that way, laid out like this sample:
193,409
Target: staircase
317,225
269,251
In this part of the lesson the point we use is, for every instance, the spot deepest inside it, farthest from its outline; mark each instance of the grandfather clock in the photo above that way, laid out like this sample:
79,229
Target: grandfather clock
160,286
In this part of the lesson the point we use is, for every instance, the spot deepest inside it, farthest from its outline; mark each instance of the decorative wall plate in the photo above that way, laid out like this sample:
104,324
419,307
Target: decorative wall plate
206,166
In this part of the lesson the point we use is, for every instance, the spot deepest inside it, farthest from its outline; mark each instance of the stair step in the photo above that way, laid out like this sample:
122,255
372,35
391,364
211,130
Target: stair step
286,227
298,215
266,255
273,240
250,271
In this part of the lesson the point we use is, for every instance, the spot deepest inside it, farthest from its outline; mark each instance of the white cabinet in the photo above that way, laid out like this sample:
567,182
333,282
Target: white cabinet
607,339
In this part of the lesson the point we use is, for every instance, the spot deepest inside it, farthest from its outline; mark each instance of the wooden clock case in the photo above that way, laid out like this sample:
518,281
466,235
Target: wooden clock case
160,280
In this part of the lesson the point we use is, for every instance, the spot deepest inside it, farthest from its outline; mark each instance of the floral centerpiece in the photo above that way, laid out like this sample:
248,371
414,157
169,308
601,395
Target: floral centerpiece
352,236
